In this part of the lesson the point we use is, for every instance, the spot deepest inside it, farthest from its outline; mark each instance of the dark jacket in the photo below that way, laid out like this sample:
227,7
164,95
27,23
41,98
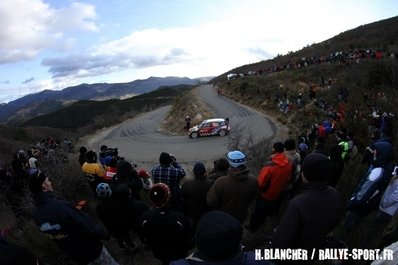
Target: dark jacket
113,216
194,197
309,217
234,193
74,231
167,232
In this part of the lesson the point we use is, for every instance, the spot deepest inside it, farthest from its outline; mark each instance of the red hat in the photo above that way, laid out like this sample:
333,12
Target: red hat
143,174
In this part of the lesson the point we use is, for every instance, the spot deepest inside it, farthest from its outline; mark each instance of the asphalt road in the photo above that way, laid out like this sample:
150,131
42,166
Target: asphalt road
141,140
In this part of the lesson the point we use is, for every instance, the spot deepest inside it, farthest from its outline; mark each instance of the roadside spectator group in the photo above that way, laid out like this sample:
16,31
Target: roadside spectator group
184,221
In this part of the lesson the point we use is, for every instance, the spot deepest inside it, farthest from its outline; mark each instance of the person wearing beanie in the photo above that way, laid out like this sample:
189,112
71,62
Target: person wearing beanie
167,232
218,239
59,219
170,172
194,193
234,192
272,181
312,215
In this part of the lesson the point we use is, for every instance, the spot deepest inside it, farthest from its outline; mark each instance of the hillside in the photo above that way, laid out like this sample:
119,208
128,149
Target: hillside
46,101
88,115
380,35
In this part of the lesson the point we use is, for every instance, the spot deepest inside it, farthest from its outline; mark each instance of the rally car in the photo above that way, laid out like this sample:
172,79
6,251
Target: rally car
210,127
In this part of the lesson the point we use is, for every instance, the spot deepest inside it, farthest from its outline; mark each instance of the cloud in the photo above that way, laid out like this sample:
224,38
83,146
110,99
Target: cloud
28,80
28,27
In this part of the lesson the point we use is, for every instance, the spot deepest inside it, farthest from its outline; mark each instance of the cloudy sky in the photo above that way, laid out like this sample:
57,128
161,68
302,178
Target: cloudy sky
53,44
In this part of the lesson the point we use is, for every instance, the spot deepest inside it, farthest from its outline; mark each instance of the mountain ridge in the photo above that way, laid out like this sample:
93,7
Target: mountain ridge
32,103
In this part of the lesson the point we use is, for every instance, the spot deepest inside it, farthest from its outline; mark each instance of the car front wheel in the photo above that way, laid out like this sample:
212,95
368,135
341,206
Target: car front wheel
194,135
222,133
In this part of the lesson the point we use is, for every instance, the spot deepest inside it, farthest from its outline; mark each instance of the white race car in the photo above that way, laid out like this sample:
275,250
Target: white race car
210,127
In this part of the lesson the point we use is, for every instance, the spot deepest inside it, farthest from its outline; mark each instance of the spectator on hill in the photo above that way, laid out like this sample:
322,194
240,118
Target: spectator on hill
133,209
235,192
343,142
17,187
167,232
147,181
310,216
218,239
94,171
220,169
295,160
388,207
302,147
320,146
367,194
194,193
336,165
147,184
74,231
82,155
113,216
187,123
126,174
272,180
111,169
171,173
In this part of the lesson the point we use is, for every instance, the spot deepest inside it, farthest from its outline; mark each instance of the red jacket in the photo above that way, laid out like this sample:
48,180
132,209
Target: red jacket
274,176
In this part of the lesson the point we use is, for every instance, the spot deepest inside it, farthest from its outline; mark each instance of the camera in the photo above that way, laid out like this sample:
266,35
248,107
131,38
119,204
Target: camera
109,152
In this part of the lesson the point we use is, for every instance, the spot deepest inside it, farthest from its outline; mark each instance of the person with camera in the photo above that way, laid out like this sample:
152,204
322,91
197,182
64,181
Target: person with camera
170,172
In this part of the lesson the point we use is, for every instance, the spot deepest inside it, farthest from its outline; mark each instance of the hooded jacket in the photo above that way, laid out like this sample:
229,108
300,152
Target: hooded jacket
233,193
274,176
309,217
74,231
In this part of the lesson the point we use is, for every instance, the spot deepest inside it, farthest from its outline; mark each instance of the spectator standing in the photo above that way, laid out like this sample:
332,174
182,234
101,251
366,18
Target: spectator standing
167,232
187,122
82,155
94,171
170,172
272,180
336,165
310,216
368,192
126,174
320,146
295,160
194,193
235,192
220,169
218,239
74,231
110,168
113,216
388,207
